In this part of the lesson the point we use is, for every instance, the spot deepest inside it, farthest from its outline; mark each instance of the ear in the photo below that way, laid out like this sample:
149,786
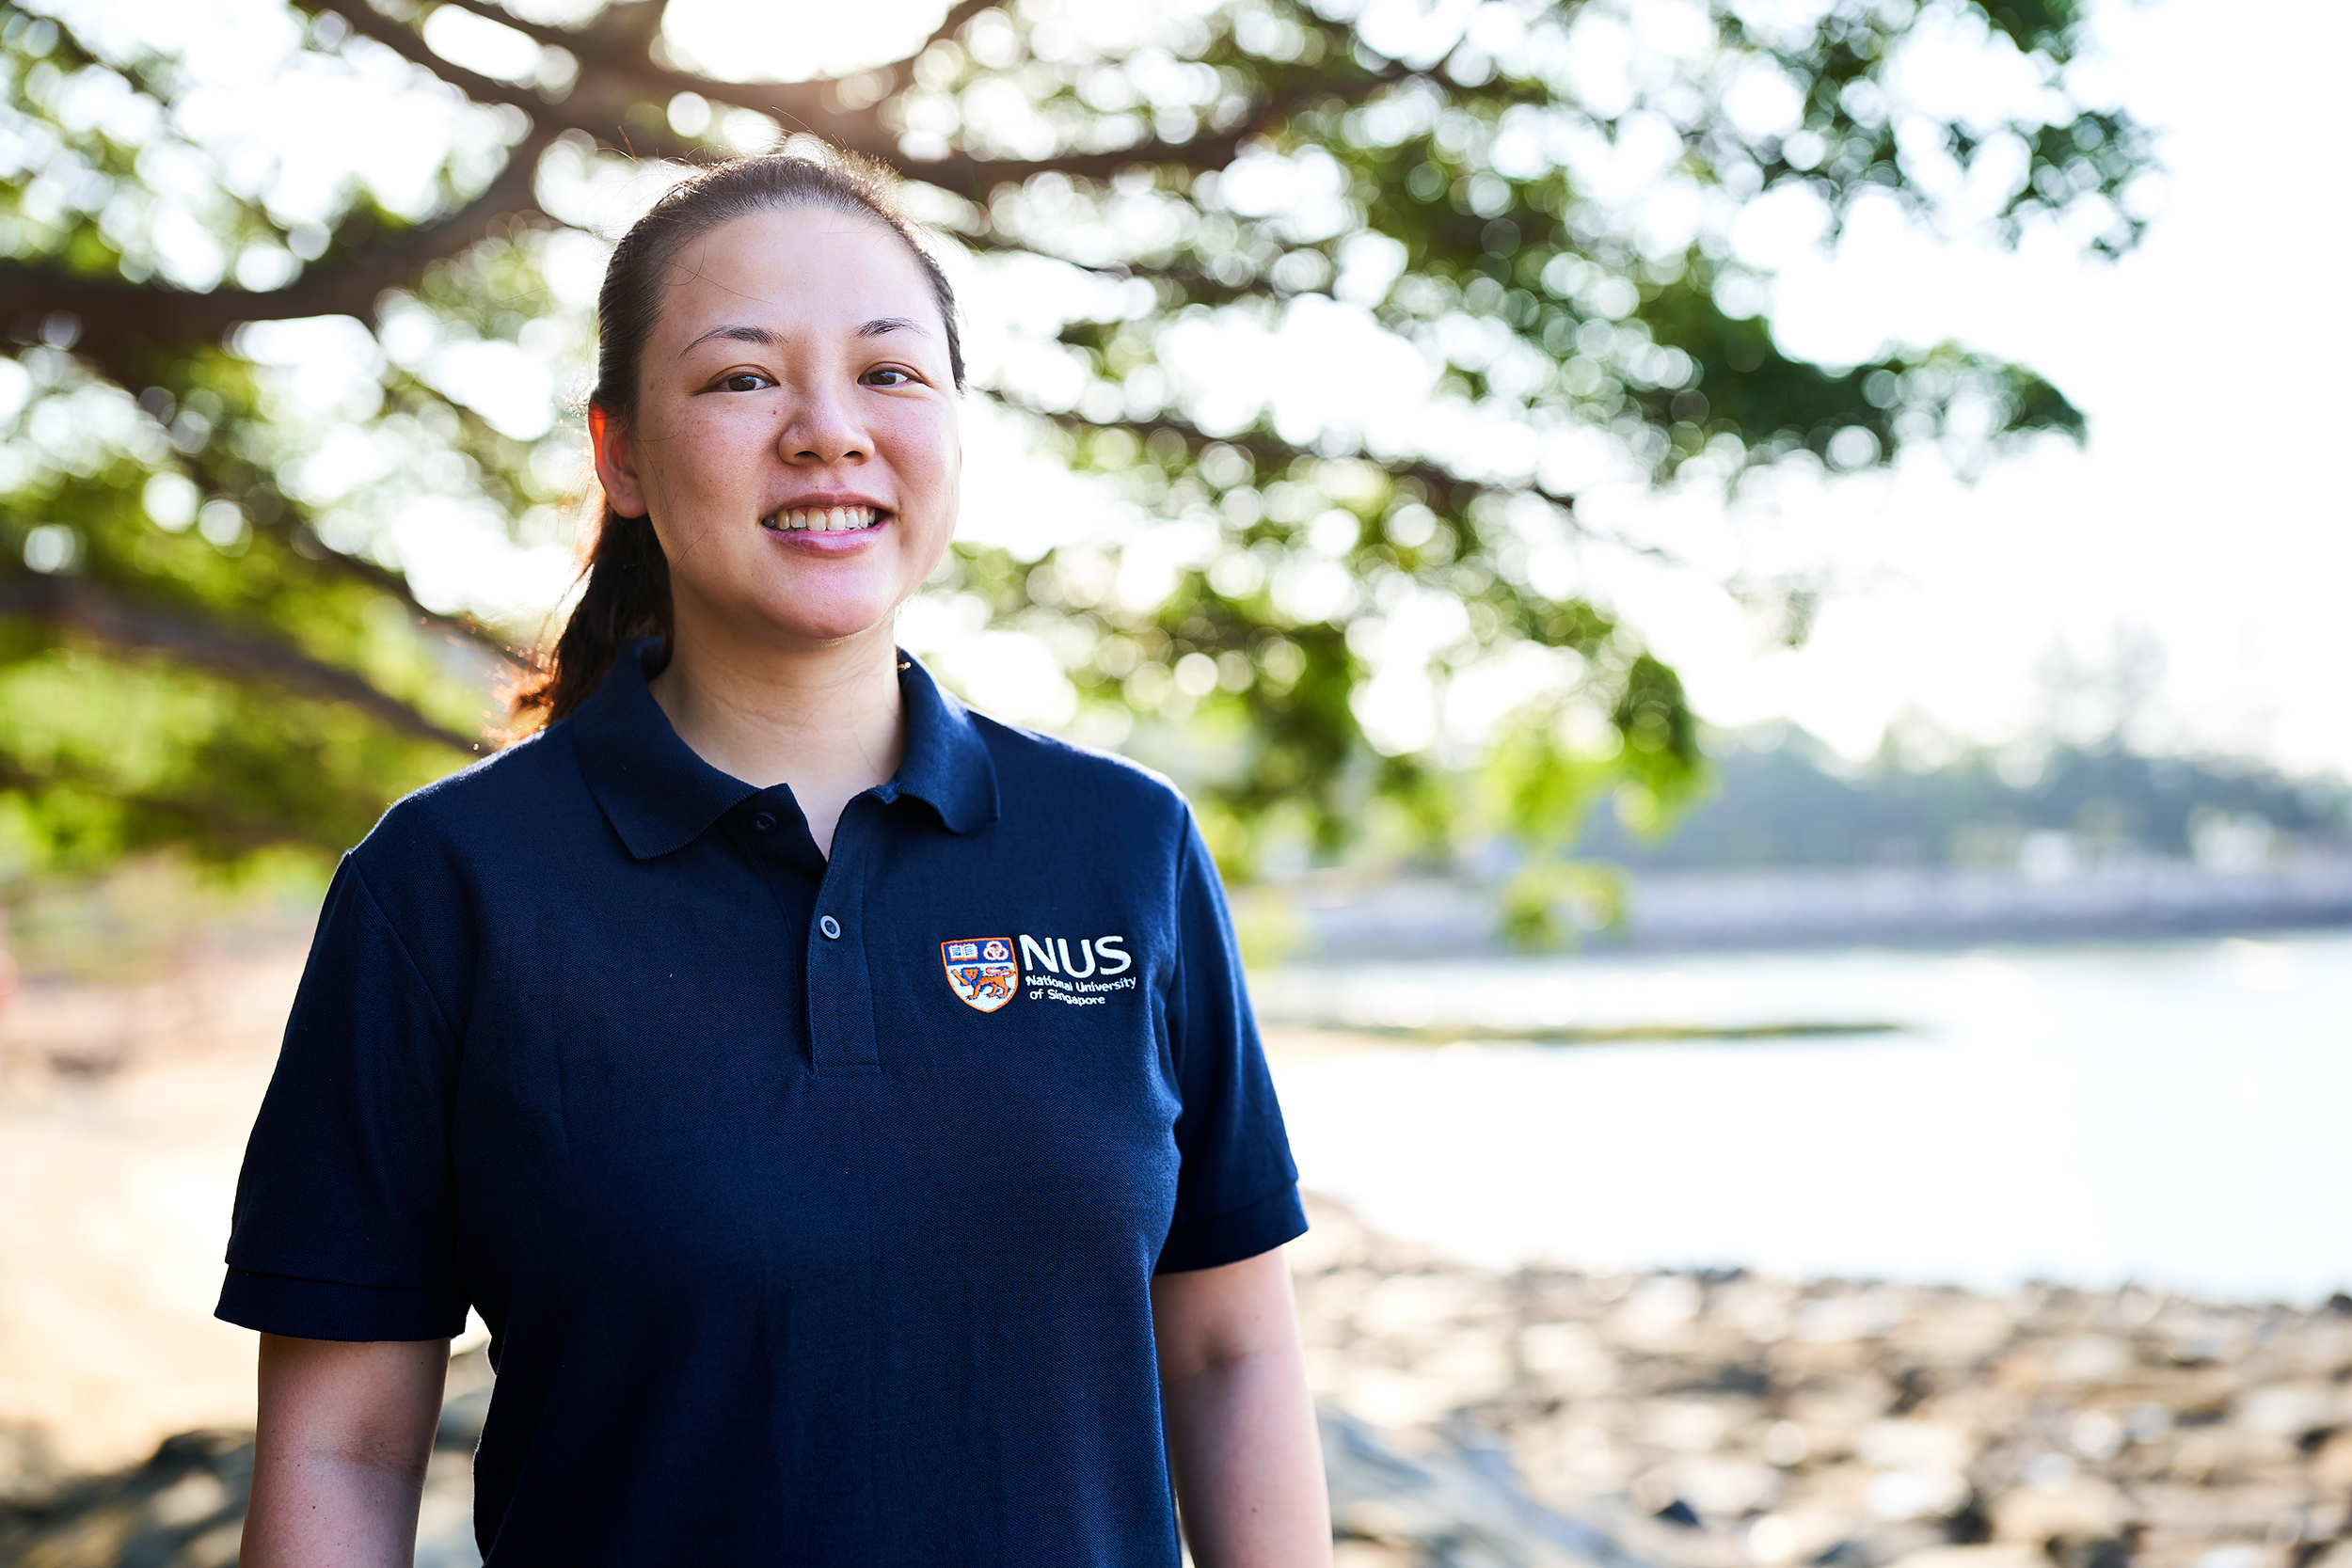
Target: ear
616,462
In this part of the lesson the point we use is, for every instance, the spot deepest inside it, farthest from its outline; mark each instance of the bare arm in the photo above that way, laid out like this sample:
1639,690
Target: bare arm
1240,1428
339,1461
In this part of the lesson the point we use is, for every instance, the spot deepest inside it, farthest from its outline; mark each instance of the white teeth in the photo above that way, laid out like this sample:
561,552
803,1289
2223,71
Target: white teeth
818,519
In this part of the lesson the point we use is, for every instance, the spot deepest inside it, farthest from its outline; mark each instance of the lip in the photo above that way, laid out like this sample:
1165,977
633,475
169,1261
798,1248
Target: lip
813,543
826,543
805,500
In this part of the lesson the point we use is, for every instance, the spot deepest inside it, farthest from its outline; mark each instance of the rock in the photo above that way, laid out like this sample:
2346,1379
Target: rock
2331,1467
1991,1556
1905,1443
2290,1409
1567,1359
1459,1504
2081,1509
185,1507
1853,1425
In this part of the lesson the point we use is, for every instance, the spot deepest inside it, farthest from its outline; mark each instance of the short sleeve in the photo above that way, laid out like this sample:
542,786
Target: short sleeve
1236,1189
345,1220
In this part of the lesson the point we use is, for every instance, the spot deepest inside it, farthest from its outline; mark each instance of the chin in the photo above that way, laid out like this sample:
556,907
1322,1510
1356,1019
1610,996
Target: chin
829,618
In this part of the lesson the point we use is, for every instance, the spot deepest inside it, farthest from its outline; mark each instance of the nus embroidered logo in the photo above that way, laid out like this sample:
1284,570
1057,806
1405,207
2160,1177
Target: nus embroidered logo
1100,969
980,971
986,973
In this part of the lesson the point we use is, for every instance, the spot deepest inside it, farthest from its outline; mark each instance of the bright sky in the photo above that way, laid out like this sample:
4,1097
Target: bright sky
2208,509
2202,515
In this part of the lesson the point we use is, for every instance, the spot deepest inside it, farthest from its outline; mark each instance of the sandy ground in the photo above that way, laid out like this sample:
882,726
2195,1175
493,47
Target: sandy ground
123,1116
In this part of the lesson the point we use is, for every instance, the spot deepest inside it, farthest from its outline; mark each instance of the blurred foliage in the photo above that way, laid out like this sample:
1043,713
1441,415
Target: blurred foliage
206,633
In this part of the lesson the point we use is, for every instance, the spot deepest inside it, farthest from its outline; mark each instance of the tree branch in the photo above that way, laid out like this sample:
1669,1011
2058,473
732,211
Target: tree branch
598,104
296,531
618,41
803,106
599,38
116,314
383,580
197,818
78,606
963,11
1443,485
1444,488
975,177
404,41
1198,287
538,32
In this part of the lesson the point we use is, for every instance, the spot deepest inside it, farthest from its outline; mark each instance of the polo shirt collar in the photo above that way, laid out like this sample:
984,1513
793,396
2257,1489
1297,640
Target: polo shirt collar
947,763
659,796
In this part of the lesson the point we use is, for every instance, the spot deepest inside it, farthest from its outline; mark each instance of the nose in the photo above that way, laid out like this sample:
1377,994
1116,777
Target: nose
823,431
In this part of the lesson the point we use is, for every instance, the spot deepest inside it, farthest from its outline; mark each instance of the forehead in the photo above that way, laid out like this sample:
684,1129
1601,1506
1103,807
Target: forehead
812,266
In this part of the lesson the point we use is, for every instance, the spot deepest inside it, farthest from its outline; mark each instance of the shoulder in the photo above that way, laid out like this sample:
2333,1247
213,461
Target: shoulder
1062,776
484,805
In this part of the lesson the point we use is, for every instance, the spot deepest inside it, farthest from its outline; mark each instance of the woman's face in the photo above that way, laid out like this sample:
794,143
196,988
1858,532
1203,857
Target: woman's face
795,437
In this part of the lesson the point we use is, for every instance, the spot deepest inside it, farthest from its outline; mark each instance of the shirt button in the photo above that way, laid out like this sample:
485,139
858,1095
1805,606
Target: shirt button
764,822
831,927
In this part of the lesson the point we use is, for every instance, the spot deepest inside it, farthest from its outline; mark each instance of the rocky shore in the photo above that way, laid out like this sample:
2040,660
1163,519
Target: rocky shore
1712,1421
1481,1419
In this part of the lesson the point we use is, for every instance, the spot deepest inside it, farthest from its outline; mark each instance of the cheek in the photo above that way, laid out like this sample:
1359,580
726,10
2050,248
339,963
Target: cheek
690,450
924,450
692,470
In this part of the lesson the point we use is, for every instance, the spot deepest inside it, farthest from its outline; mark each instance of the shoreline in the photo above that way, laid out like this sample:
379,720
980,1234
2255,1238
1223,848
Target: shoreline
1799,908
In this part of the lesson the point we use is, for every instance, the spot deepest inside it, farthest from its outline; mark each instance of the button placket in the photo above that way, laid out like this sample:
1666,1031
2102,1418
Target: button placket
840,983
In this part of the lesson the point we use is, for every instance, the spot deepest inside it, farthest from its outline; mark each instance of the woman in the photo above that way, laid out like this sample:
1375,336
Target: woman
843,1110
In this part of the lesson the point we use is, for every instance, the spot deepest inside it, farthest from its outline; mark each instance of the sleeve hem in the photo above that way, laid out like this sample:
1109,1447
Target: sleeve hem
325,1309
1260,1227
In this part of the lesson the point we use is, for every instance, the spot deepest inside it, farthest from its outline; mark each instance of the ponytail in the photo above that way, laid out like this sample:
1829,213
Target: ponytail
627,595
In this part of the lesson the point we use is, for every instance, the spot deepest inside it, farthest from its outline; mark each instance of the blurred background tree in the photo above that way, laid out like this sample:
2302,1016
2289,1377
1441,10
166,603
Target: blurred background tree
219,624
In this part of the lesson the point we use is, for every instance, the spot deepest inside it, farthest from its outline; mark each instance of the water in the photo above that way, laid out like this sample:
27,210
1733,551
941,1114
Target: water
2173,1114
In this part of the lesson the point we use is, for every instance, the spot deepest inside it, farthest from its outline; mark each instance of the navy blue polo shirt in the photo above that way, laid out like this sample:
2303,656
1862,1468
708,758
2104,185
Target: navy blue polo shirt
813,1205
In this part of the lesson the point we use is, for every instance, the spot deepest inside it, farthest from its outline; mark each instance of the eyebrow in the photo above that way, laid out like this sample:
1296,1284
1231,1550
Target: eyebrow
736,333
741,333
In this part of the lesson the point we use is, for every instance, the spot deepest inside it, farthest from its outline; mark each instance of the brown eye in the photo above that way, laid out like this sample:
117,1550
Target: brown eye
897,374
745,381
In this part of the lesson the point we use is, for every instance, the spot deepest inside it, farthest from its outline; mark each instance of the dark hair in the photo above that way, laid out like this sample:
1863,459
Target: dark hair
628,577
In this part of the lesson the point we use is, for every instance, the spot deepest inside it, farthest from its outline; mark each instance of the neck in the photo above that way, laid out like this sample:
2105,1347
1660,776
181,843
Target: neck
822,719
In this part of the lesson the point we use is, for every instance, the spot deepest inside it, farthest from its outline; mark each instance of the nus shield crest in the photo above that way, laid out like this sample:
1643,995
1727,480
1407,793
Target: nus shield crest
981,971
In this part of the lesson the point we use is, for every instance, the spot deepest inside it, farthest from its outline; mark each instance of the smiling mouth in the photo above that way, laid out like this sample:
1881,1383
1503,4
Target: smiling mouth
821,519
